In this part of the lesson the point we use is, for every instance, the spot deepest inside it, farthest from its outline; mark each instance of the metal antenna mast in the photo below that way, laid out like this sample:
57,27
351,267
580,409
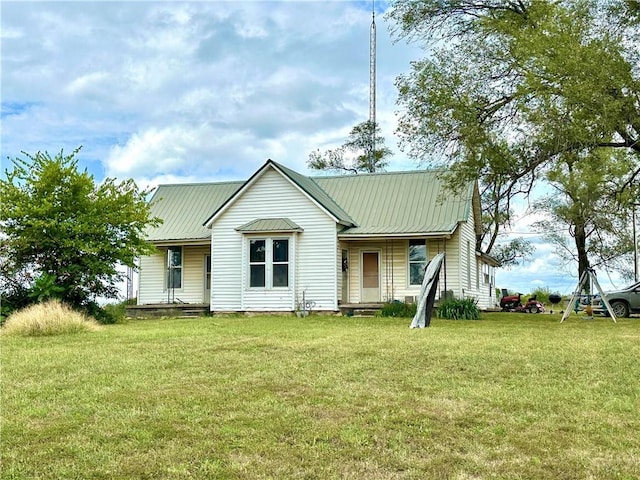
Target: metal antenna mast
372,80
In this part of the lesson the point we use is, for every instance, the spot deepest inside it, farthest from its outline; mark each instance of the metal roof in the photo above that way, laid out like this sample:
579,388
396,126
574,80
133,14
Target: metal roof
397,204
270,225
314,190
183,208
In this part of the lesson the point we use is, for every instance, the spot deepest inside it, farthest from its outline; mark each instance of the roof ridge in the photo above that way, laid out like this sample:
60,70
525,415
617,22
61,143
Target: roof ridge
194,184
375,174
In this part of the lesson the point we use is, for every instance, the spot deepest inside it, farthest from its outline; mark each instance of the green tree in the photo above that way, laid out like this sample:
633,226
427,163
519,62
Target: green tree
364,151
581,205
65,234
513,88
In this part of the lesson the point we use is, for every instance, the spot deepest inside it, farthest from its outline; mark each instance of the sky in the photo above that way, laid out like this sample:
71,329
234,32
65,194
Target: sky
175,92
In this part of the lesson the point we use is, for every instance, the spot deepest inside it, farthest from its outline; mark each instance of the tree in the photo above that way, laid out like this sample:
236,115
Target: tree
513,88
64,232
581,205
364,151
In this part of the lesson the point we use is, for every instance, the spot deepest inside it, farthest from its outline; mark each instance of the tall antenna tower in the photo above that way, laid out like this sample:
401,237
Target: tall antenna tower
372,80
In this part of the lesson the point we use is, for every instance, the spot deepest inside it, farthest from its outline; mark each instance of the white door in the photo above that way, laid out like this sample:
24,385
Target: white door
370,278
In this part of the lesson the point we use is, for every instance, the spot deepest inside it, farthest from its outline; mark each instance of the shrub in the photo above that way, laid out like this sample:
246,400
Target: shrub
541,293
48,318
12,298
455,309
398,309
114,312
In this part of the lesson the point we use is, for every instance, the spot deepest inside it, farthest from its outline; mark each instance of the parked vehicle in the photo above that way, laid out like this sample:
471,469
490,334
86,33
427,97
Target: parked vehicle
513,303
623,302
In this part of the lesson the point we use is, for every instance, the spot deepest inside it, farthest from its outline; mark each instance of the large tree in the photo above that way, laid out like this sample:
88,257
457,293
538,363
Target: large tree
62,229
580,203
512,88
364,151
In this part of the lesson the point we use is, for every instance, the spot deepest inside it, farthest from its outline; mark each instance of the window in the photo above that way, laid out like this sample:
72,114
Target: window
280,263
268,263
468,264
417,261
207,272
257,263
174,267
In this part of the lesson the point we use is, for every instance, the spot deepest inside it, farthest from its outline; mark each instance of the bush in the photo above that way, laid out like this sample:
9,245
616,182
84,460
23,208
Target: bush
49,318
398,309
114,312
541,293
455,309
12,299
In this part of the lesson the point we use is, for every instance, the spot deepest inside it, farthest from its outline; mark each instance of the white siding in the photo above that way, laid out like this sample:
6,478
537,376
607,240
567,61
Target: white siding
394,267
312,263
152,278
465,277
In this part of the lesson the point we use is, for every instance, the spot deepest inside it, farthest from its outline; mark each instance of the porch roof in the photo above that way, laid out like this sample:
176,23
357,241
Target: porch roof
183,208
399,203
269,225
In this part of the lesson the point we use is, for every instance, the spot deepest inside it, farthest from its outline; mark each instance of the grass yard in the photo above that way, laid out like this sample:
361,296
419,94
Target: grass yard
509,396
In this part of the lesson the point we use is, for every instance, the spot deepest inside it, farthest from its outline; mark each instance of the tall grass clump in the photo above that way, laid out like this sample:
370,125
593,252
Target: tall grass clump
48,318
459,309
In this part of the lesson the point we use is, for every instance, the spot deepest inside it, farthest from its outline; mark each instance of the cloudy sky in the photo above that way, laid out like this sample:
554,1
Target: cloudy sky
168,92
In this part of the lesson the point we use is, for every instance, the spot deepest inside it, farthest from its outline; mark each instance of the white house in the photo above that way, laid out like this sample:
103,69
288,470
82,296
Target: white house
264,244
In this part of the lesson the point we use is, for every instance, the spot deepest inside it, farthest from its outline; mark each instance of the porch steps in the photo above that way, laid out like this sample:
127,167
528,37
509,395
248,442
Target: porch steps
360,309
179,310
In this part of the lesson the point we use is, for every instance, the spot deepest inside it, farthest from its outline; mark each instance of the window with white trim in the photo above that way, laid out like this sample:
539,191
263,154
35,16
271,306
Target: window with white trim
257,262
268,263
174,267
417,261
280,259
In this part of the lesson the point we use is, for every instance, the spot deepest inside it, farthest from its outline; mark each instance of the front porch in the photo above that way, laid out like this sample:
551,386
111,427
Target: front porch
155,310
360,309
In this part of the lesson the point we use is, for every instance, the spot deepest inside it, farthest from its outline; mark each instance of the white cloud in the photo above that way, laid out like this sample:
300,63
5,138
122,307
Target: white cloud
168,88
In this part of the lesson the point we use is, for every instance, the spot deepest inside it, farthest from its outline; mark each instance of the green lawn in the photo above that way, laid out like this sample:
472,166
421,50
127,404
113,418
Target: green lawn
509,396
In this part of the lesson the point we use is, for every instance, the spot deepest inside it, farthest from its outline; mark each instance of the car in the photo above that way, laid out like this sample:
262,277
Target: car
623,302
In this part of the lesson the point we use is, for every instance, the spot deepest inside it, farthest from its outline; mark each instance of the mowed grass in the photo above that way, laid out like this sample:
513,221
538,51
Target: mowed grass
509,396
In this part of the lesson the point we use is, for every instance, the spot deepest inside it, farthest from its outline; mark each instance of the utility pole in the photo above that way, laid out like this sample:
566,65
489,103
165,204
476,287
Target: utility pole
372,82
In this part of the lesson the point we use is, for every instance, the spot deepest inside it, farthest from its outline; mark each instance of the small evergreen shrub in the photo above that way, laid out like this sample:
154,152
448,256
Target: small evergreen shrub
48,318
456,309
398,309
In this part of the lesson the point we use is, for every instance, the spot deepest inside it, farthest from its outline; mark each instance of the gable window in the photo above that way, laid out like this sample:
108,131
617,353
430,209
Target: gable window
174,267
268,262
417,261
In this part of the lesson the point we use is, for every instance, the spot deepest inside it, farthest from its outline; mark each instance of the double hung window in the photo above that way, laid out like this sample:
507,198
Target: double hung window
268,262
174,267
417,261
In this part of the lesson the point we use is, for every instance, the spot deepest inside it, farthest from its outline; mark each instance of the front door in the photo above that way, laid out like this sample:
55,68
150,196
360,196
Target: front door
370,277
